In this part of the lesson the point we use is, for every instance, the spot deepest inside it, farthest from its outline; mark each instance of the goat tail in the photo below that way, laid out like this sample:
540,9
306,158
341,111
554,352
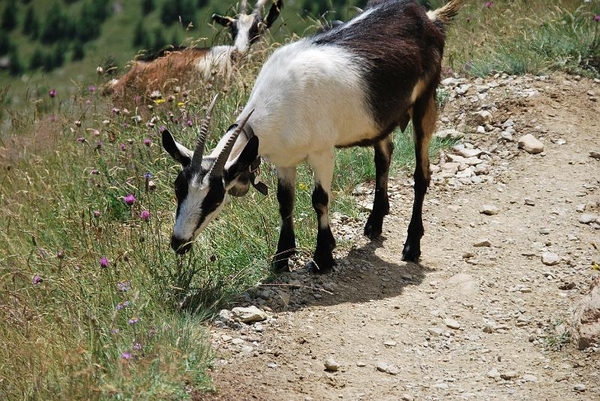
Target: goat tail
446,13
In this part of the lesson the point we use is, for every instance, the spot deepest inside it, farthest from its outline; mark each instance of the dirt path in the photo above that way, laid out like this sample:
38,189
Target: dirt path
482,317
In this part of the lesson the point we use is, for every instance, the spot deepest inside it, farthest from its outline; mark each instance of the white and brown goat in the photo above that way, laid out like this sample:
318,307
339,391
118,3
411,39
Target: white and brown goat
349,86
188,65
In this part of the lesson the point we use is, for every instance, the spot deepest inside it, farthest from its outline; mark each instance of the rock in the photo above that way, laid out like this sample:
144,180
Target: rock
451,323
449,134
482,243
493,373
468,153
489,210
530,144
579,387
587,218
386,368
331,365
529,378
550,258
509,375
250,314
586,318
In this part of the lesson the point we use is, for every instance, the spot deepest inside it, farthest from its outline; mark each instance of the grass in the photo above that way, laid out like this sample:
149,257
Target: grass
134,329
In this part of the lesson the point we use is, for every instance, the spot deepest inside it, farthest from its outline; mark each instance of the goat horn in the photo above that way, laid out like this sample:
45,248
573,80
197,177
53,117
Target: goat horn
260,6
199,152
243,6
218,168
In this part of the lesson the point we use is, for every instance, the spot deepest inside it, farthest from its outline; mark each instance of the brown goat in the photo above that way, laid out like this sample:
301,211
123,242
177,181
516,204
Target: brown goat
183,66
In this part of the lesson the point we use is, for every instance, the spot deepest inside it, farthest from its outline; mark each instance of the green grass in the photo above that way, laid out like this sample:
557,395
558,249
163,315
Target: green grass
73,329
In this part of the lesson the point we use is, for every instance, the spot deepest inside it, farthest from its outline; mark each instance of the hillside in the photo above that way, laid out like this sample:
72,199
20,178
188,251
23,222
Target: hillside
56,44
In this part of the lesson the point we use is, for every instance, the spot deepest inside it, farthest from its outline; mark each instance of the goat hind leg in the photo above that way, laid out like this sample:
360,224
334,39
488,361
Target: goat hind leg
424,119
381,205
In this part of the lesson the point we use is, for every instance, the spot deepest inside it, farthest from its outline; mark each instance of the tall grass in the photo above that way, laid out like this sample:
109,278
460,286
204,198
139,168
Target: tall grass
520,36
93,303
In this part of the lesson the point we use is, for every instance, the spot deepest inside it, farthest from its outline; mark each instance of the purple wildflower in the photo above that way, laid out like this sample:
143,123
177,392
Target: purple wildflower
189,123
123,147
147,141
122,305
488,4
129,199
147,175
124,286
597,17
60,254
126,355
137,346
52,93
145,215
103,262
92,88
36,279
81,139
134,320
96,213
94,172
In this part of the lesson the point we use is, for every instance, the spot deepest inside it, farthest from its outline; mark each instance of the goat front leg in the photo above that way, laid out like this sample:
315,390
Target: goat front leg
424,118
286,246
381,205
322,165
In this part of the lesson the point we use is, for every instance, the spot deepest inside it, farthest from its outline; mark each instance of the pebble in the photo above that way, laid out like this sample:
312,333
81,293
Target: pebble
386,368
530,144
509,375
331,365
451,323
482,243
550,258
489,210
579,387
493,373
587,218
529,378
250,314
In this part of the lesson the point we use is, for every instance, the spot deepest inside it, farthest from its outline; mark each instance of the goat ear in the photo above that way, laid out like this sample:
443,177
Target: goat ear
177,151
223,20
244,160
273,13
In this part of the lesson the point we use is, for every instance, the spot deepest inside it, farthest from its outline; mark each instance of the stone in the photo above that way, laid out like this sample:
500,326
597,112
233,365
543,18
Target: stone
331,365
586,318
250,314
482,243
509,375
530,144
579,387
489,210
451,323
550,258
587,218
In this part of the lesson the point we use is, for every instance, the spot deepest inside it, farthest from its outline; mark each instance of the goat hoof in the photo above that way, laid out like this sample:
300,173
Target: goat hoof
410,254
320,268
280,265
373,231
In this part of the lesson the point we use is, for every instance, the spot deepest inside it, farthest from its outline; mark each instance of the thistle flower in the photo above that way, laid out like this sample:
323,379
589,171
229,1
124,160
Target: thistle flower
597,18
96,213
36,279
145,215
52,93
92,88
123,147
488,4
147,141
103,262
129,199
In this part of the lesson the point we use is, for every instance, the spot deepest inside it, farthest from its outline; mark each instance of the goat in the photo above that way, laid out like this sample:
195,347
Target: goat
349,86
178,65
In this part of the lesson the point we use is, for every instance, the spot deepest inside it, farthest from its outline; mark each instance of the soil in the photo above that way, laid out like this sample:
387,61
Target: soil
482,317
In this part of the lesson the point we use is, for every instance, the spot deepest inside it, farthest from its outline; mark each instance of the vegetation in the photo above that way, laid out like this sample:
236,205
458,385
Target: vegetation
93,302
